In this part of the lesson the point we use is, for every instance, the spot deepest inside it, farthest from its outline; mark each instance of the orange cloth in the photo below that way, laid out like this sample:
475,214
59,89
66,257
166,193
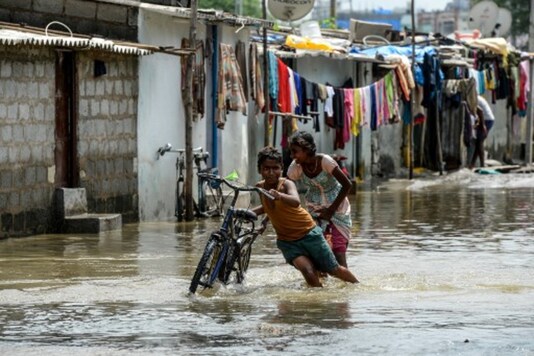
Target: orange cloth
290,223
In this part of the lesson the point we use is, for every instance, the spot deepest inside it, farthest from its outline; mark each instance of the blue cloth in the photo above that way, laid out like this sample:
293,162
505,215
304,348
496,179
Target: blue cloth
405,51
273,76
374,108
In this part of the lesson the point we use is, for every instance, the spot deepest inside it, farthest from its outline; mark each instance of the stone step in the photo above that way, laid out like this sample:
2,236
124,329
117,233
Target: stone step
92,223
73,216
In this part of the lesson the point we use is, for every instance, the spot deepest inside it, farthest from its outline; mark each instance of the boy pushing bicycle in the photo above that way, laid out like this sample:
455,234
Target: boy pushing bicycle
298,236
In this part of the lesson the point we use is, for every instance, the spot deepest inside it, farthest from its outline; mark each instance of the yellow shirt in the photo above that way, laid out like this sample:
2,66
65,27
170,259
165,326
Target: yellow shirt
290,223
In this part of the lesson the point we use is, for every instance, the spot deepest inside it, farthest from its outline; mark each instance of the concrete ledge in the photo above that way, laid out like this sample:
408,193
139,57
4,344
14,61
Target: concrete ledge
92,223
71,201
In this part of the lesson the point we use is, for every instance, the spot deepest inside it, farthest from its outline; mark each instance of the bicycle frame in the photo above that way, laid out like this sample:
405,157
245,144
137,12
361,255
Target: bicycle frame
225,245
201,207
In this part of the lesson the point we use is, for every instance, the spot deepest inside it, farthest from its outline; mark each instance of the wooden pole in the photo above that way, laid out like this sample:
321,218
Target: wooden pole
438,135
188,102
333,9
265,78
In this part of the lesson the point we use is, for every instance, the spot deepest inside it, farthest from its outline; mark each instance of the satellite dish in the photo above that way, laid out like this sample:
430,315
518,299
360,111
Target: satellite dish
504,23
290,10
483,16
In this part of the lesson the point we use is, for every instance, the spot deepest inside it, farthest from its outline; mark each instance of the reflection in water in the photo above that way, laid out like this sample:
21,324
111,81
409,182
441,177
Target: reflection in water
334,316
440,262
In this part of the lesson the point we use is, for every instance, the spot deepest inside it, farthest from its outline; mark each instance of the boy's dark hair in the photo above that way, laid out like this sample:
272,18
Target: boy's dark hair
304,140
269,152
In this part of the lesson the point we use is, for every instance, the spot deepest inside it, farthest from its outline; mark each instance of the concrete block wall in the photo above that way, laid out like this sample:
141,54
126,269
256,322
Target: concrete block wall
27,124
81,16
107,134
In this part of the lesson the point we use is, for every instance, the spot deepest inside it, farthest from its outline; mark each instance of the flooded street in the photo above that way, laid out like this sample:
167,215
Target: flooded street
446,267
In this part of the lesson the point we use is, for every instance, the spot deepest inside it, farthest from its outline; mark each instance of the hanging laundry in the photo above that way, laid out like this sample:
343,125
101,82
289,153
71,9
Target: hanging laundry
348,113
256,78
357,114
467,87
241,56
230,86
273,78
284,91
329,106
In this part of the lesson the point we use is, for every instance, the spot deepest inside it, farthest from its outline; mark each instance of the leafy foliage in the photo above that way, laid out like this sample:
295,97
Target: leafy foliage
250,7
329,23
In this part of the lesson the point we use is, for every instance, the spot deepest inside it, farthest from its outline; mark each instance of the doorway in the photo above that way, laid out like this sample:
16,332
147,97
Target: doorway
66,155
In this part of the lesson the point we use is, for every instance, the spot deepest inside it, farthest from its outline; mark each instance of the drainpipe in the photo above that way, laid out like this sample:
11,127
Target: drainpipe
266,79
215,77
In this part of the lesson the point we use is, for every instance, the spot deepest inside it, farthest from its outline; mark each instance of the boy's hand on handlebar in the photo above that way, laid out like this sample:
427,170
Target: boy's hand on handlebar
276,194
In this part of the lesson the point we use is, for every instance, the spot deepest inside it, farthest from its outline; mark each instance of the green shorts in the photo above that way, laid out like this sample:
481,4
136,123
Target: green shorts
312,245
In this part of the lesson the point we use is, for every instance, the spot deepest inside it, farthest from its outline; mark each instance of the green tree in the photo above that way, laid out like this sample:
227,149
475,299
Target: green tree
520,10
250,7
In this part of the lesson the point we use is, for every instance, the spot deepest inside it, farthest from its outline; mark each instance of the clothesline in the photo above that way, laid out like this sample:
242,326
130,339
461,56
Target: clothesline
285,114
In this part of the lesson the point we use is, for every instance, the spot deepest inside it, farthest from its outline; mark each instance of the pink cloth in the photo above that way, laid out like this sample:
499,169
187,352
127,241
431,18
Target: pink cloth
349,113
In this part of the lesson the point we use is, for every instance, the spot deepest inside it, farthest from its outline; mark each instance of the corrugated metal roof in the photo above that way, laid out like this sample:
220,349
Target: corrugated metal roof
208,15
13,37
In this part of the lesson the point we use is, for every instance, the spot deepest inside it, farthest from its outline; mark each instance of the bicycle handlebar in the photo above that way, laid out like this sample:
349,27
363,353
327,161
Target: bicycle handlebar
168,148
245,188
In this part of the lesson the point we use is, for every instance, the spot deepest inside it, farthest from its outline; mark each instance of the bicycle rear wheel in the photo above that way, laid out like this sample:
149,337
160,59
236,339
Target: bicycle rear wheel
246,251
179,210
238,261
213,200
208,266
232,266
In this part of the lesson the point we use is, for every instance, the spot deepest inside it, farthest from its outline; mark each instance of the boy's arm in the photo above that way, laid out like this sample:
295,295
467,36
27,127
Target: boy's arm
259,211
291,195
346,185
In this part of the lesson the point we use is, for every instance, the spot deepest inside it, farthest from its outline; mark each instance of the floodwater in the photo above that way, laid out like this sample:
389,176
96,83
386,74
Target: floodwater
446,267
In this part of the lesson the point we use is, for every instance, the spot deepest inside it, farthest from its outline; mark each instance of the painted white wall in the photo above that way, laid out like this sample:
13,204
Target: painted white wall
324,70
161,116
234,138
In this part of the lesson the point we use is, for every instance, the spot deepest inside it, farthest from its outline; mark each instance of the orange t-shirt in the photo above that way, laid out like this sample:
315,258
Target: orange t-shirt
290,223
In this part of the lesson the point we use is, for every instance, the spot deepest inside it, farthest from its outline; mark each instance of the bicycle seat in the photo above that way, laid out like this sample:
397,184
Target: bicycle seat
246,214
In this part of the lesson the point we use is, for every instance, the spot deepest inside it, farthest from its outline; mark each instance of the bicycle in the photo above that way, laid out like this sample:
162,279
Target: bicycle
210,199
227,253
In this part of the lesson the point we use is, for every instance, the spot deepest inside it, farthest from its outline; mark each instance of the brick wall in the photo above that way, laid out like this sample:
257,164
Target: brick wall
81,16
27,124
107,134
107,137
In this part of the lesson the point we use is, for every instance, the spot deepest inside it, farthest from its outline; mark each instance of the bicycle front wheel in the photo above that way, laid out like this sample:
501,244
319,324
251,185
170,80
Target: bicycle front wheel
208,266
246,251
